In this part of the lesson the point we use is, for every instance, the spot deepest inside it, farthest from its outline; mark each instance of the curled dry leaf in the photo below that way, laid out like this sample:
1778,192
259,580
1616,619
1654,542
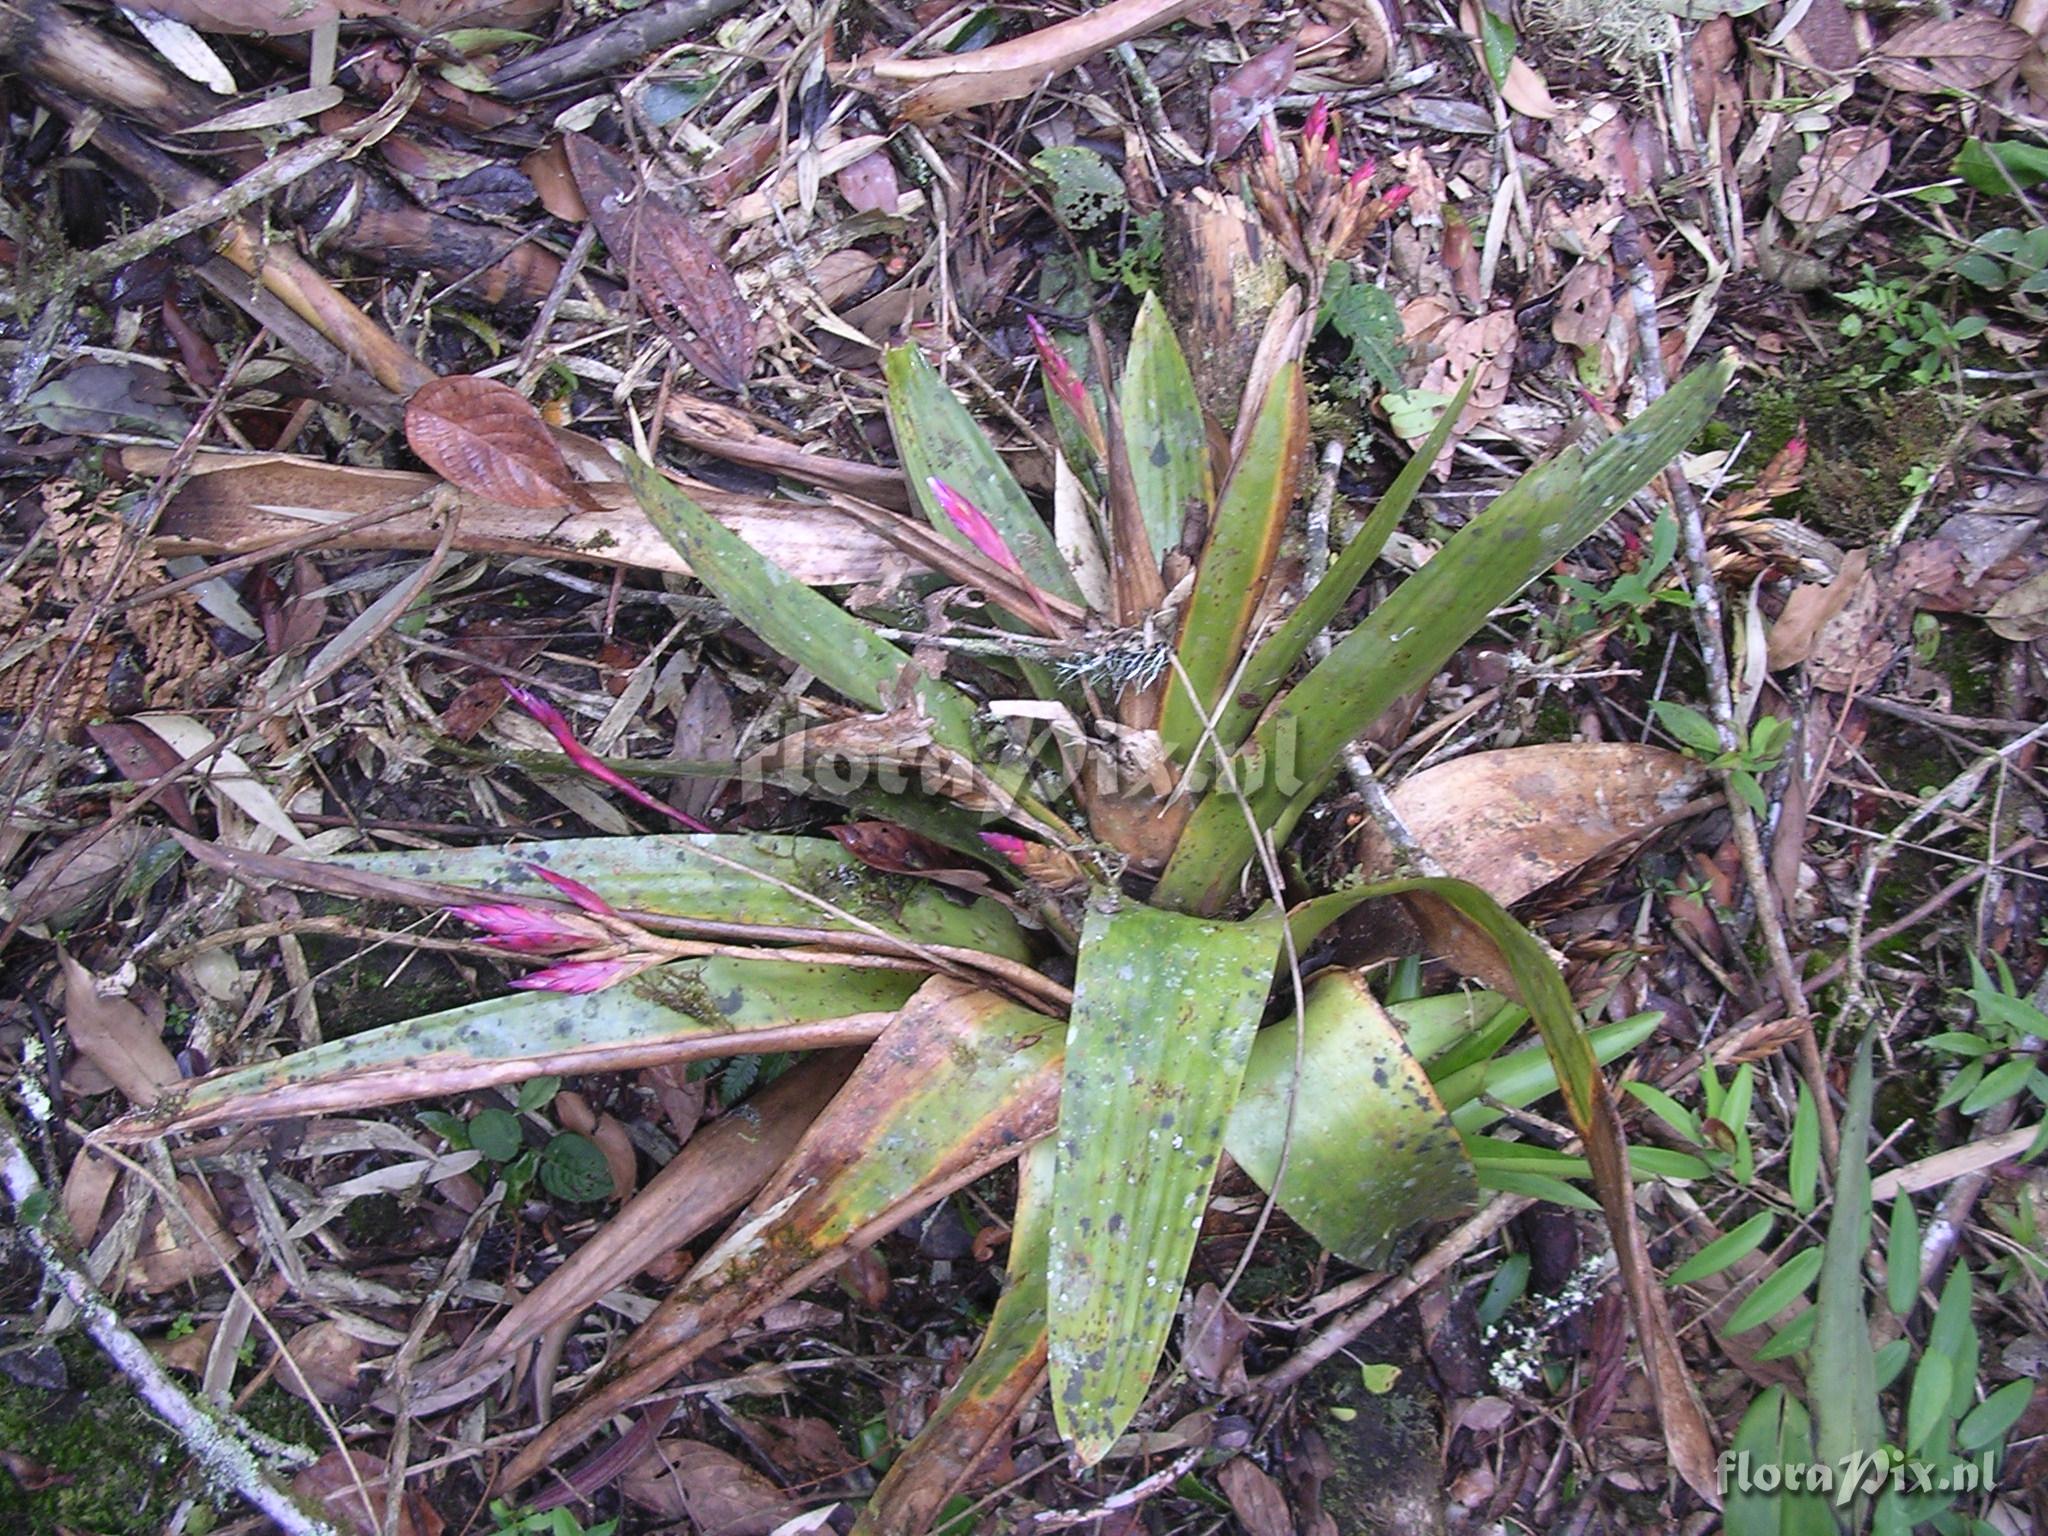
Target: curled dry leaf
486,438
1256,1499
1809,610
1513,821
673,269
112,1034
1839,176
79,873
1956,53
688,1480
929,89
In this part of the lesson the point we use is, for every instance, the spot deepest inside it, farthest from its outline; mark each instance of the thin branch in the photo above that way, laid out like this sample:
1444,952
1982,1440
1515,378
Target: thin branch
217,1442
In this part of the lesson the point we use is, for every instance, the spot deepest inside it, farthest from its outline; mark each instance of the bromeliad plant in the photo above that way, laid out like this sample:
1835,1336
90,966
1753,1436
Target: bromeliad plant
1139,836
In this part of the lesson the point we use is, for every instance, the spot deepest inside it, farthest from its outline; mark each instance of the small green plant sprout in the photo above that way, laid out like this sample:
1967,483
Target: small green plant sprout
1913,336
510,1521
1999,1056
1627,601
569,1166
1090,203
1763,744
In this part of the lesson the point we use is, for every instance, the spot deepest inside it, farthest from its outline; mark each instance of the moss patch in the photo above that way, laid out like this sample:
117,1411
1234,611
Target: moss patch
1861,446
113,1466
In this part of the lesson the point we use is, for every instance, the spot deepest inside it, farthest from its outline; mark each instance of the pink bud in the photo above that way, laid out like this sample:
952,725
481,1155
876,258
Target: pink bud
1330,161
1060,377
1009,845
585,759
1318,122
1395,196
973,524
575,890
1269,141
524,930
579,975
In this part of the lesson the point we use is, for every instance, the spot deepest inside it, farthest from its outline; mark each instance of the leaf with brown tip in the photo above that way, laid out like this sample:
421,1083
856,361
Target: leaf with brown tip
486,438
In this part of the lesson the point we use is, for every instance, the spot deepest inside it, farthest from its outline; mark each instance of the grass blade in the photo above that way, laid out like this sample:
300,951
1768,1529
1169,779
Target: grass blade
1372,1154
1163,430
935,435
1236,560
1843,1382
1164,1010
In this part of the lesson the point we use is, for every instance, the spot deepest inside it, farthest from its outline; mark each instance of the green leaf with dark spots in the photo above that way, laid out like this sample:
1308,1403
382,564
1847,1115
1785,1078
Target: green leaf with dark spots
1163,431
1164,1011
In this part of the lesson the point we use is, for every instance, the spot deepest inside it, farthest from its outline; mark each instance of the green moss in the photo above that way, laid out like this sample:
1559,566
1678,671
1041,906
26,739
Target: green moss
114,1467
1861,446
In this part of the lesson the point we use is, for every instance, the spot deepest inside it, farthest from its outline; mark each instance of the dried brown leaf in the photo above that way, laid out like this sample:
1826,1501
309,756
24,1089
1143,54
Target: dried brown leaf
934,88
323,1363
335,1489
1212,1344
113,1035
716,1492
79,873
486,438
1839,176
2022,614
1809,610
869,184
1585,305
617,1147
1956,53
1244,95
1260,1505
674,270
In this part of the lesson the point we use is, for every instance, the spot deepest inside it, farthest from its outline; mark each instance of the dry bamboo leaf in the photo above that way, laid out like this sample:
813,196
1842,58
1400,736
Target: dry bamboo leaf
1838,177
1959,53
486,438
673,270
927,89
114,1036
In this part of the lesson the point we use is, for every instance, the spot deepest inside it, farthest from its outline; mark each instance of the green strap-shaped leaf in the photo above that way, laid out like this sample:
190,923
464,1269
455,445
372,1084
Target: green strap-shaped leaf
1163,430
1776,1432
683,1011
1843,1382
802,624
1235,562
1407,638
707,876
1005,1372
1283,651
935,435
1164,1010
1520,1078
1371,1154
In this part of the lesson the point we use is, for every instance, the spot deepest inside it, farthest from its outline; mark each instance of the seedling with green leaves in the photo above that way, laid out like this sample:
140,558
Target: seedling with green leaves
1755,755
1138,841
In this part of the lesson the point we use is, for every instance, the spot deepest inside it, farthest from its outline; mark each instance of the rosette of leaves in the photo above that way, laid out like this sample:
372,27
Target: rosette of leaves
1193,728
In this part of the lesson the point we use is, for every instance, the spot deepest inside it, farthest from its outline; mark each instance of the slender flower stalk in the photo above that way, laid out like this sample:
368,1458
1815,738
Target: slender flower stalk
565,737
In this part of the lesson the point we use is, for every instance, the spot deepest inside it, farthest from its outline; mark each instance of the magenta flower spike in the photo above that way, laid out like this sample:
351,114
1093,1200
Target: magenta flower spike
523,930
580,975
1269,141
565,738
576,891
1318,123
973,524
1009,845
1395,196
1060,377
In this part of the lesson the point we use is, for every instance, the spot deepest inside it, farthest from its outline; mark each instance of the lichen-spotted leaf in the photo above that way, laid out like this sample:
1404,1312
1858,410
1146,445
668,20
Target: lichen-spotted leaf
675,271
484,437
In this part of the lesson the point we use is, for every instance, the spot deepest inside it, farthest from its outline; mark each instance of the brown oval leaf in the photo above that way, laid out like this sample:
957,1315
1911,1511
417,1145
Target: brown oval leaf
686,1479
484,437
1838,177
1960,53
671,267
